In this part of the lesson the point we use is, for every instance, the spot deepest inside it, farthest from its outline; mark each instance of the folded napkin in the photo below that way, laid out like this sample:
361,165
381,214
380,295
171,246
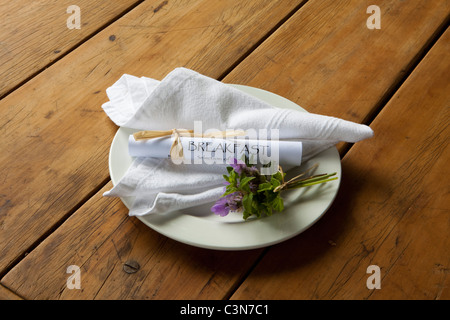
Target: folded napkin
185,96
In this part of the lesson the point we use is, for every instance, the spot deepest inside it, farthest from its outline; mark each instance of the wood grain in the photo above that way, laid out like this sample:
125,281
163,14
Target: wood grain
326,59
101,239
202,273
6,294
392,210
55,137
35,34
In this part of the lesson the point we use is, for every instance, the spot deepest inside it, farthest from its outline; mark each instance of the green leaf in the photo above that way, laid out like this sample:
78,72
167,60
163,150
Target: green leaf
230,190
279,176
278,204
262,209
232,178
245,181
269,210
264,186
275,183
247,201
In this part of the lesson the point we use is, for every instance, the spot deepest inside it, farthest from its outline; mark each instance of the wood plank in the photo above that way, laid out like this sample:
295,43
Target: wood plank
101,239
6,294
392,211
326,59
56,137
218,279
35,34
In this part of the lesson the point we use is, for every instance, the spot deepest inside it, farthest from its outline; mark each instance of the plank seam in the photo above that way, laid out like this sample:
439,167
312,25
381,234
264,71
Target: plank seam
74,47
401,79
53,228
261,40
241,280
12,291
409,69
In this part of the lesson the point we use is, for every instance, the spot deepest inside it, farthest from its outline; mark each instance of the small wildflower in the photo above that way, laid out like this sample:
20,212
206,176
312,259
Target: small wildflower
231,202
238,166
220,207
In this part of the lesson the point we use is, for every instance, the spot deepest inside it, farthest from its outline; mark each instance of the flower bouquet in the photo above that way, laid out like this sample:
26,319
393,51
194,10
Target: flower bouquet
251,193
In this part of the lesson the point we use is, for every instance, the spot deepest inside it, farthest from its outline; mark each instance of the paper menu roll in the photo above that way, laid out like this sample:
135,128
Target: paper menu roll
220,151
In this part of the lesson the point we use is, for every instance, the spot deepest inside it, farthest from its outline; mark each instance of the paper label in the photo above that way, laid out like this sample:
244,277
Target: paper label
221,151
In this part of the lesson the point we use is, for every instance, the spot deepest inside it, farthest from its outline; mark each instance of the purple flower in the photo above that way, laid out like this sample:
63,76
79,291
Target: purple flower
253,186
235,202
231,202
238,166
241,167
251,171
220,207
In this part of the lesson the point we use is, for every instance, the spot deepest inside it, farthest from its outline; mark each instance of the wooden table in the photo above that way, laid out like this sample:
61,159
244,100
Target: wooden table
392,209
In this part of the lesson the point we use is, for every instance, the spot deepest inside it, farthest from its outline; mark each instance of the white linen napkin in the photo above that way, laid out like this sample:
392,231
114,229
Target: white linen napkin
185,96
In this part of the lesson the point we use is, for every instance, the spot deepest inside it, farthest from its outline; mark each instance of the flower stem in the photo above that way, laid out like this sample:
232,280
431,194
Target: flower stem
311,180
307,184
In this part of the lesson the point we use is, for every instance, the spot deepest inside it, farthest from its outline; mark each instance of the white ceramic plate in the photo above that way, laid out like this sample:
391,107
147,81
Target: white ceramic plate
200,227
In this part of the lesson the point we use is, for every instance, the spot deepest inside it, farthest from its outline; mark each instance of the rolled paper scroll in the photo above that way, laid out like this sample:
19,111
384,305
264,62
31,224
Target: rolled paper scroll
219,151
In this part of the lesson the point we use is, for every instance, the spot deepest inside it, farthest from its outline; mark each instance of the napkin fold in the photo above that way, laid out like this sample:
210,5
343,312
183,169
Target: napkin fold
185,96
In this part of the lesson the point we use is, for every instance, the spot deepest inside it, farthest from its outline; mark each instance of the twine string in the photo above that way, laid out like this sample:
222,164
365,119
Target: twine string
285,184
